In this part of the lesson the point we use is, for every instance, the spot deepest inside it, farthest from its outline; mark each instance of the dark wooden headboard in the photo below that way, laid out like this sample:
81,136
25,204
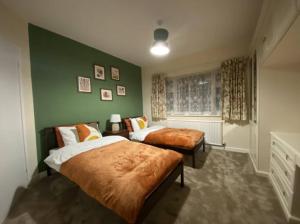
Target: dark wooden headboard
123,122
50,137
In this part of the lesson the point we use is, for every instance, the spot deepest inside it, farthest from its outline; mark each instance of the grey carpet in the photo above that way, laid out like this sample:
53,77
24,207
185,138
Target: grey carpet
223,189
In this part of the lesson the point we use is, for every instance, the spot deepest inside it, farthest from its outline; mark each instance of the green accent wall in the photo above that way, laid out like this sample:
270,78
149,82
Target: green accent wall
56,62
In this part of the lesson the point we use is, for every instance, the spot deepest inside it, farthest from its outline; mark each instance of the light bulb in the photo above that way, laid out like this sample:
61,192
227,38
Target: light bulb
160,48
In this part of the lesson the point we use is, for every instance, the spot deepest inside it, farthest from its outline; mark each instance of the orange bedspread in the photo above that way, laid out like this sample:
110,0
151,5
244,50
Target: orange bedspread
175,137
121,175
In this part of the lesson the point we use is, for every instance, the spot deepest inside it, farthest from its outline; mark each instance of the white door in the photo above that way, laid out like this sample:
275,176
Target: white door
12,154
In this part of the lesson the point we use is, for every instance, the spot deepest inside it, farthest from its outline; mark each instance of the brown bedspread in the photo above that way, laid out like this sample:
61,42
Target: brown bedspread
175,137
121,175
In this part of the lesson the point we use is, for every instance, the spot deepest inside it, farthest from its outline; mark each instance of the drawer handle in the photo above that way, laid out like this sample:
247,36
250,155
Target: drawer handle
286,173
284,193
286,157
273,142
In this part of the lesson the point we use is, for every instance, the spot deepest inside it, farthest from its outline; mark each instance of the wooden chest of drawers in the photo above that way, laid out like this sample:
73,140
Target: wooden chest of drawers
284,171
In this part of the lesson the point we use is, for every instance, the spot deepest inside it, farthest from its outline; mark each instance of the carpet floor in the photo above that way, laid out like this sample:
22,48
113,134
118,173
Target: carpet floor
222,189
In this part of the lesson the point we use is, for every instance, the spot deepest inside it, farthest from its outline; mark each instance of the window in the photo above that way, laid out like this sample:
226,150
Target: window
196,94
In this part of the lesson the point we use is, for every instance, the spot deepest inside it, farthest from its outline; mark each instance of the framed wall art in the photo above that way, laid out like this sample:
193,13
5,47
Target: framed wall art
84,84
115,73
99,72
106,94
121,90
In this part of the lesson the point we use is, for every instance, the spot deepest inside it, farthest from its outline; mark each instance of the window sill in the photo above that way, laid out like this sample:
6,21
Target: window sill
217,116
195,118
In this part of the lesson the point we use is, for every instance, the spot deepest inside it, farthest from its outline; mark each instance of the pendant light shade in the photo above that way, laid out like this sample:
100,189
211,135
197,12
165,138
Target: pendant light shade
160,46
161,34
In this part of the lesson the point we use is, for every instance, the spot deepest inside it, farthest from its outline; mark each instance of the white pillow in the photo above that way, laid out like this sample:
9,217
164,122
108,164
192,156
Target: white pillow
69,135
135,124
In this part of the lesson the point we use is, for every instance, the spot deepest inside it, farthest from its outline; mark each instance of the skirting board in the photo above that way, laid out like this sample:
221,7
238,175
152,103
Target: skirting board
257,171
230,149
43,174
235,149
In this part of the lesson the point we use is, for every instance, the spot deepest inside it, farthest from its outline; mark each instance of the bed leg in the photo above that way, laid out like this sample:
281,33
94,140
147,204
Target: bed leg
182,176
194,160
48,171
203,145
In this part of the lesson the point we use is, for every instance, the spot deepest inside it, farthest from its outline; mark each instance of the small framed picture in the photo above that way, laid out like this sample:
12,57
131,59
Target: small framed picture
106,94
84,84
115,73
99,72
121,90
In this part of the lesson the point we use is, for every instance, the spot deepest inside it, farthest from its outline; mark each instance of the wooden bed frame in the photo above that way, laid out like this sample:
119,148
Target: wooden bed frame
151,199
191,152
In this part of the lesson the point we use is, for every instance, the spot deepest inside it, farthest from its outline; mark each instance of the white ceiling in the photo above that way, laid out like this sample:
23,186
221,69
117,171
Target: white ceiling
124,28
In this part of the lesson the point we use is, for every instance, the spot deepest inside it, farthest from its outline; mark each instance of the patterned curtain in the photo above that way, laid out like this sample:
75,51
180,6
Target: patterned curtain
158,98
234,98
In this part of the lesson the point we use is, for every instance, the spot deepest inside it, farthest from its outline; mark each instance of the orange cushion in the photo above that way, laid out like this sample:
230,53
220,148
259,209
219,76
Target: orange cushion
87,133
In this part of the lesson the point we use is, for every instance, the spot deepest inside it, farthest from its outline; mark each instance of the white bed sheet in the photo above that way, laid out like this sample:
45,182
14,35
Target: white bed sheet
58,157
140,135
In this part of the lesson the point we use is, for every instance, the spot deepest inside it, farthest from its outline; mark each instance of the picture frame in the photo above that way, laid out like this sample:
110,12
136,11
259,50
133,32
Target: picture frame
115,73
84,84
99,72
106,95
121,90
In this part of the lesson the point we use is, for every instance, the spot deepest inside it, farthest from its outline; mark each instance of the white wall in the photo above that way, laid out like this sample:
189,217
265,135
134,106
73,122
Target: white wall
12,160
15,30
279,108
18,144
235,136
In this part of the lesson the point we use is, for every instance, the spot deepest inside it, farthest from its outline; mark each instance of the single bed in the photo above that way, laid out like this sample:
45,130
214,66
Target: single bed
124,176
183,140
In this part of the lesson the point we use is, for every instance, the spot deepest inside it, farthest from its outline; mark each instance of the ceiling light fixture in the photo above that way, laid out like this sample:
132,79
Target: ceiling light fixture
160,46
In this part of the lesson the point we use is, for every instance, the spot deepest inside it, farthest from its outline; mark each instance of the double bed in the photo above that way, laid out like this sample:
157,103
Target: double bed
124,176
183,140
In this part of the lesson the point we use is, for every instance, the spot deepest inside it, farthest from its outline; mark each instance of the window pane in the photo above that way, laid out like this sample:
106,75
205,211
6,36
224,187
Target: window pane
197,94
218,94
200,90
182,95
170,95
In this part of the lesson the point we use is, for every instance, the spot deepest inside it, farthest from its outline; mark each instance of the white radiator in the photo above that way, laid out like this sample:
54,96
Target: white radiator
213,129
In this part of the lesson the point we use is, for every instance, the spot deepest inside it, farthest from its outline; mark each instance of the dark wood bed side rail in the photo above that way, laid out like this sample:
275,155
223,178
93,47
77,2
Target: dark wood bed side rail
158,192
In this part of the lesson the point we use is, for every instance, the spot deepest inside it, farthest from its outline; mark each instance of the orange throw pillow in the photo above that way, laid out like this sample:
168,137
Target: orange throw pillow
87,133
